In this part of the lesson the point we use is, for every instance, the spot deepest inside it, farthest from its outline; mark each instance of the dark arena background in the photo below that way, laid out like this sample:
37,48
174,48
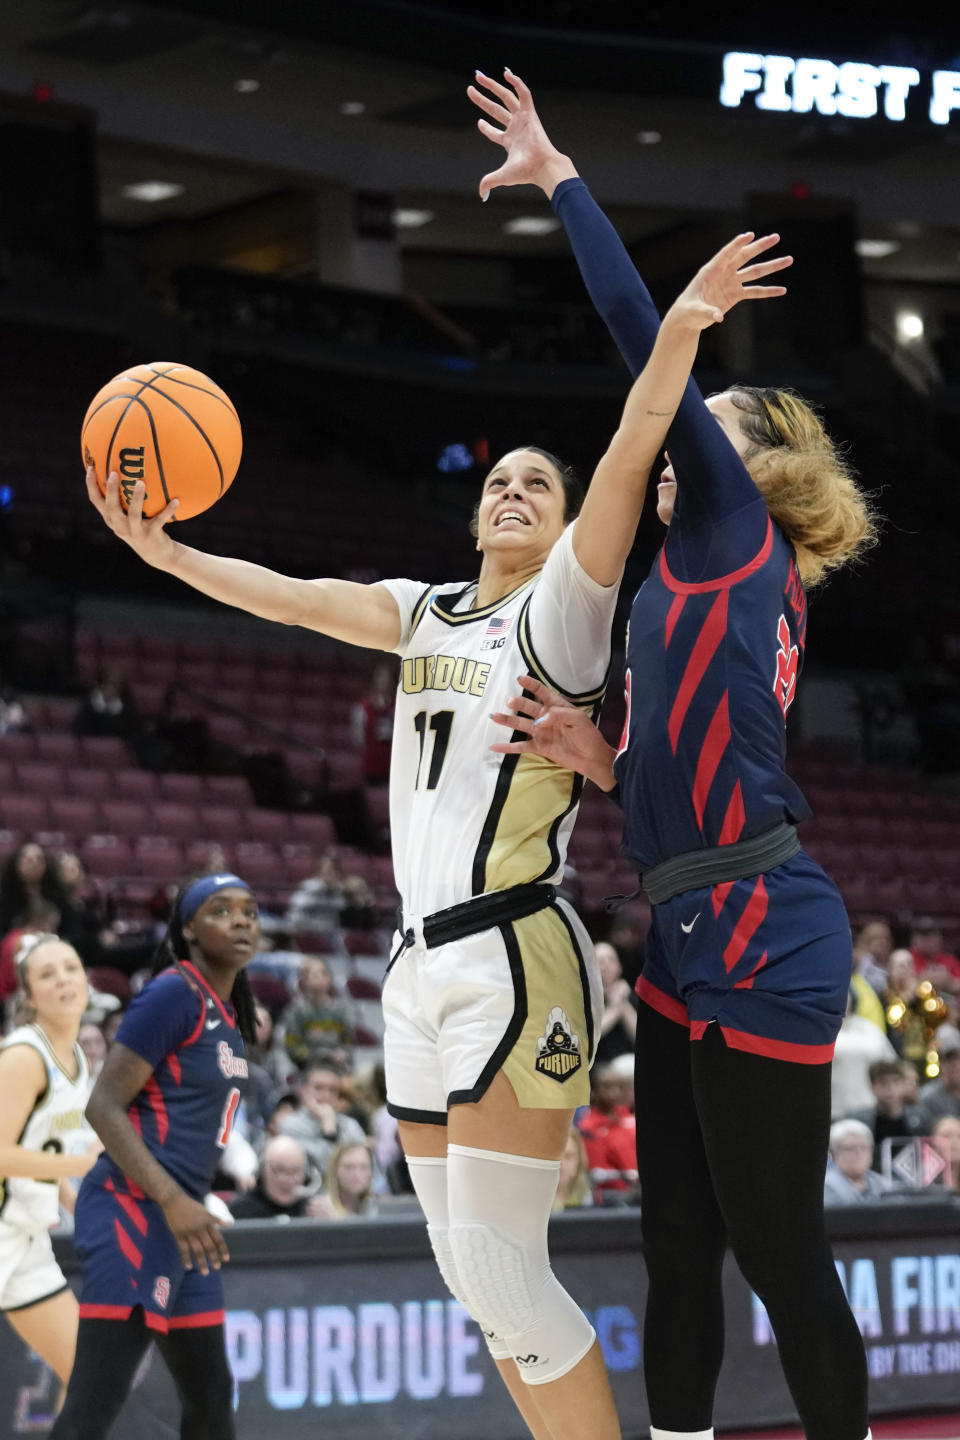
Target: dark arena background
282,194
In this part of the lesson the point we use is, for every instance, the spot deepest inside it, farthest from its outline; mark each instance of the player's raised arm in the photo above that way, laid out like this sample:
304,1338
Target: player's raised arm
607,522
360,614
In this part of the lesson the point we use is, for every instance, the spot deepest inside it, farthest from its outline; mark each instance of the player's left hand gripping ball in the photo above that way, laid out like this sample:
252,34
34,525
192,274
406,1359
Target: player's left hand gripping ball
170,427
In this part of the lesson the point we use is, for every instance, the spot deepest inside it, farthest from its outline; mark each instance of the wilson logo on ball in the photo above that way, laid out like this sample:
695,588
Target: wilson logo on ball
131,462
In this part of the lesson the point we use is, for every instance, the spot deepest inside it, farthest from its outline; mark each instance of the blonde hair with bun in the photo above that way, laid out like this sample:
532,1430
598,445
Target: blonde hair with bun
811,491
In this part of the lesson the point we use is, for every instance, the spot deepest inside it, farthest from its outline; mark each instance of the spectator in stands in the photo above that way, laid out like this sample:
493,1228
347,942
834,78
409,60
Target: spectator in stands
942,1096
14,719
573,1186
859,1044
913,1009
911,1083
383,1126
352,1102
93,1043
316,1019
317,901
872,949
889,1117
946,1137
349,1180
618,1025
371,724
108,708
84,915
284,1107
41,918
269,1052
850,1178
359,904
932,960
609,1133
280,1192
319,1123
29,875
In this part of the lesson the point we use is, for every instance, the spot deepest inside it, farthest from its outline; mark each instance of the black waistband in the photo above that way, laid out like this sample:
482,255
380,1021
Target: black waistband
740,861
483,912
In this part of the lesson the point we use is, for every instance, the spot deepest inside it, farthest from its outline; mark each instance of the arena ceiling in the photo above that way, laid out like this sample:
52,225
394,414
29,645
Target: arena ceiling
370,93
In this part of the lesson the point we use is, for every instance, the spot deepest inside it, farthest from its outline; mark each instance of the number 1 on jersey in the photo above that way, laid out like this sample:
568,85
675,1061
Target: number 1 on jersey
226,1119
441,724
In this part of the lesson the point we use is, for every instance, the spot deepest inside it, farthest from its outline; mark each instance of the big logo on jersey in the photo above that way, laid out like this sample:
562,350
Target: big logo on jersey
558,1049
788,661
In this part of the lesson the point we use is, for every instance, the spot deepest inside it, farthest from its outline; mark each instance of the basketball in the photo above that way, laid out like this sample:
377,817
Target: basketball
169,426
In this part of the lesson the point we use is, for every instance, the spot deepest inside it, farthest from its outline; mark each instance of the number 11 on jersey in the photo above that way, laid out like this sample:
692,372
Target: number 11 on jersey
441,724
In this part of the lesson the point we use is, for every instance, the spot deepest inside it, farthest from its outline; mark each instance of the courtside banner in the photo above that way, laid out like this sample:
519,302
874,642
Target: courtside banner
343,1329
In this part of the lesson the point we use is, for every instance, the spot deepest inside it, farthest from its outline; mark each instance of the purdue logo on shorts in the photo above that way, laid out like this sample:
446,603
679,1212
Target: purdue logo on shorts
558,1049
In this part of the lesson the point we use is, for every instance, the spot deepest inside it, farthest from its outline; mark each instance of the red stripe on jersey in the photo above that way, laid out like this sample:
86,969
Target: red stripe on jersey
134,1189
673,615
708,642
664,1004
197,1322
227,1014
720,893
747,926
173,1065
130,1208
127,1246
105,1312
778,1049
747,982
703,587
734,820
717,740
698,1028
152,1092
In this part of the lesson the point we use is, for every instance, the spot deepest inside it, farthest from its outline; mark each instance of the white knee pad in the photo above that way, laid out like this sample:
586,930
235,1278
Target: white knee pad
499,1208
429,1176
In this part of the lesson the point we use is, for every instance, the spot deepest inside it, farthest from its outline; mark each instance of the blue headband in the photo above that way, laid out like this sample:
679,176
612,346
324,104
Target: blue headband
202,889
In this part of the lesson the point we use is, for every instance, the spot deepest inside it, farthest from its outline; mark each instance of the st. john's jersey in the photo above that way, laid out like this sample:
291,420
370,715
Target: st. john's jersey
185,1111
55,1124
717,631
711,672
464,820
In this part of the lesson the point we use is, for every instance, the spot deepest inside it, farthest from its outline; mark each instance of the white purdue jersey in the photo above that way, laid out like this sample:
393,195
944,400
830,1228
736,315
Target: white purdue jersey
464,820
55,1123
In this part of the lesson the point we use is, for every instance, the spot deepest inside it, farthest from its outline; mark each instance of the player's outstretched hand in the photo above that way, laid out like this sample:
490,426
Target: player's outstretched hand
556,731
532,158
197,1233
726,280
147,537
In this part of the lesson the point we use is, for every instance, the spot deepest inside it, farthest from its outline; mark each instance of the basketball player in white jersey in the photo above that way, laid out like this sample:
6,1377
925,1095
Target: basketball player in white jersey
493,999
44,1144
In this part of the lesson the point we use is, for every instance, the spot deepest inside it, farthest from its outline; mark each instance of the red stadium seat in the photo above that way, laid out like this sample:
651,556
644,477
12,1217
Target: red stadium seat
18,747
174,819
344,770
59,713
273,825
184,789
362,988
223,822
107,856
56,841
61,749
126,817
90,782
24,812
132,784
228,789
315,830
107,752
41,778
9,779
75,813
165,864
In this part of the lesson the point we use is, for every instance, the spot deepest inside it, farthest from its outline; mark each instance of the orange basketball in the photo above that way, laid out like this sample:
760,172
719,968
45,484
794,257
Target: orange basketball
169,426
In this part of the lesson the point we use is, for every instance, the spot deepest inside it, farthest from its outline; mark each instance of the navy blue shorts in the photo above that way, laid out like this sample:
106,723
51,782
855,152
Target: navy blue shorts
769,959
129,1257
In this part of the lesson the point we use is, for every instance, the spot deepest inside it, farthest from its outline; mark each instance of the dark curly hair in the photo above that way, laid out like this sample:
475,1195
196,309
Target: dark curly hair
175,948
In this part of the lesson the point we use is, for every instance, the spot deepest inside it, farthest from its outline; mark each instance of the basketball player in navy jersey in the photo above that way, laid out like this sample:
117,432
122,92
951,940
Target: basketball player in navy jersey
163,1106
749,948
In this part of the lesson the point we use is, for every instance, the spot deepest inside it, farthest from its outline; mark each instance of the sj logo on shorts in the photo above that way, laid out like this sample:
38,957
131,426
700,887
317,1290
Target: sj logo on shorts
161,1291
558,1049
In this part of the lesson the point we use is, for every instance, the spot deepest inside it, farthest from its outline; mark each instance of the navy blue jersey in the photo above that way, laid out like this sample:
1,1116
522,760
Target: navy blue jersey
185,1111
717,631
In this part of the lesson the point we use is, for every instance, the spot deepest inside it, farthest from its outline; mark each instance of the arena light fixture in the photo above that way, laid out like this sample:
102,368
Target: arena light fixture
246,85
909,326
151,191
408,217
531,225
648,137
352,107
876,249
